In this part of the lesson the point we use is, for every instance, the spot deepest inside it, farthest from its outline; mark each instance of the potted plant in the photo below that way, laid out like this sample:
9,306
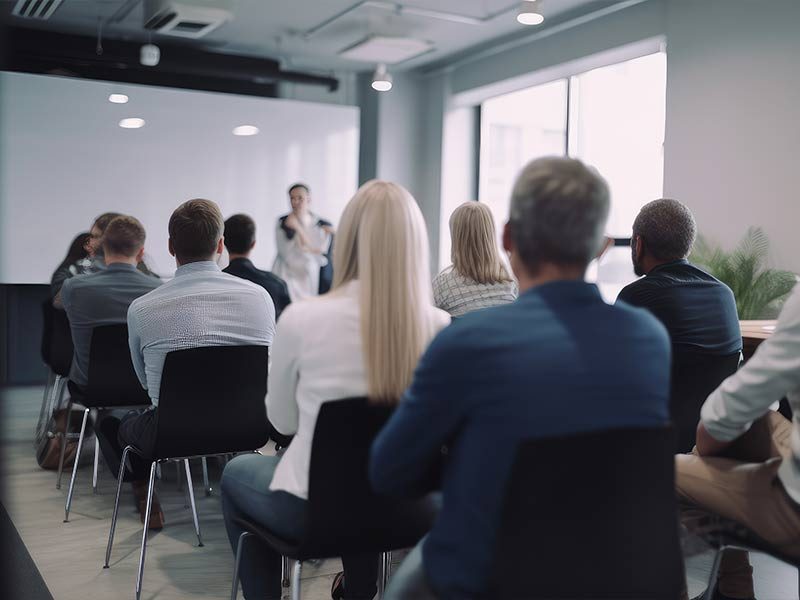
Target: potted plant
759,290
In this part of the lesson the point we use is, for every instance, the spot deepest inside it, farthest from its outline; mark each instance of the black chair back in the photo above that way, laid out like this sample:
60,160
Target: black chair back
344,513
112,380
212,401
57,348
694,377
591,516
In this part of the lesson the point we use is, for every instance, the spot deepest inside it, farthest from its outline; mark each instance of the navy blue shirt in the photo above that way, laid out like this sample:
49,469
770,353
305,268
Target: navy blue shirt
698,310
557,361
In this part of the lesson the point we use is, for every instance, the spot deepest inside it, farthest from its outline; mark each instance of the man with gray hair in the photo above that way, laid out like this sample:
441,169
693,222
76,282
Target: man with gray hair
538,367
698,310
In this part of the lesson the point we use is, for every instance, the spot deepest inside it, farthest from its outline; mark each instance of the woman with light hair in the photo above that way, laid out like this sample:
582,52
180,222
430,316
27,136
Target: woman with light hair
477,278
363,338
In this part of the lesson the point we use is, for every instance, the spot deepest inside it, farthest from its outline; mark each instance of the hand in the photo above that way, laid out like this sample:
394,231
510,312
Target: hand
292,222
707,445
328,229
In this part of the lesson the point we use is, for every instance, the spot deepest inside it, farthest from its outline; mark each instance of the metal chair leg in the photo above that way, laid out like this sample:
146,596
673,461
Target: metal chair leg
712,578
191,499
95,477
120,477
143,551
383,573
63,445
237,562
206,485
286,569
298,568
75,466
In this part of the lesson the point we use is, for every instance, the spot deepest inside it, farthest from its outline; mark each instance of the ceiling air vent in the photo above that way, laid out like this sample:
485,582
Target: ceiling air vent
183,20
36,9
386,49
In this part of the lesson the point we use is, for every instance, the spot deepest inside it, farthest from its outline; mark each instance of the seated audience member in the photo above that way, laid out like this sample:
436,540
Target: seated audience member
77,256
200,306
93,262
558,361
477,278
240,237
731,474
698,310
361,339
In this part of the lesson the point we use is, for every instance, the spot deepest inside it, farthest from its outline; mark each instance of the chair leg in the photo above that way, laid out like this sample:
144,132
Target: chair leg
298,568
285,571
712,578
191,499
95,477
68,504
206,485
120,476
63,445
237,562
143,551
383,573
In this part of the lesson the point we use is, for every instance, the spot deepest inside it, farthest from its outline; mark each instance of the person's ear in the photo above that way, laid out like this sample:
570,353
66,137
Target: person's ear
638,247
221,245
508,242
140,255
253,245
171,247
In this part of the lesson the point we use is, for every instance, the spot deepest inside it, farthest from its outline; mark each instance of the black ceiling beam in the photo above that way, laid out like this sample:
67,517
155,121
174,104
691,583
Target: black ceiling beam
181,65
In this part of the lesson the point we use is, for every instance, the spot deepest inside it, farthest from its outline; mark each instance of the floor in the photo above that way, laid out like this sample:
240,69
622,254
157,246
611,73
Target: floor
70,555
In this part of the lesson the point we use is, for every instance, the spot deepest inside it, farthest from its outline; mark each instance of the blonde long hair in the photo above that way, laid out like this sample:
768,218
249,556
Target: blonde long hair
474,250
382,242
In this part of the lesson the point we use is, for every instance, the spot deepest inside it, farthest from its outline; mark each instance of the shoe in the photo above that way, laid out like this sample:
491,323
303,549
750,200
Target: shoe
156,514
337,587
717,596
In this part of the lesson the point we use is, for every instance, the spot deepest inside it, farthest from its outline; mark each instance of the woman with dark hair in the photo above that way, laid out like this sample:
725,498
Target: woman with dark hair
73,263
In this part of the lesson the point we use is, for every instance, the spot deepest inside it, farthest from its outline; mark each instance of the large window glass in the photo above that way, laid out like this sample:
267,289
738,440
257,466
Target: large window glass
611,118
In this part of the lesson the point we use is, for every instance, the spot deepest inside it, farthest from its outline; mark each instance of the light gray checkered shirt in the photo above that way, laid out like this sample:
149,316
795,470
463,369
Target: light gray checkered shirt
458,295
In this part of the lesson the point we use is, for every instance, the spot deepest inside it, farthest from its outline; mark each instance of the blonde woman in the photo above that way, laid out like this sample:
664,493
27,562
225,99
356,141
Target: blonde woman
364,338
477,278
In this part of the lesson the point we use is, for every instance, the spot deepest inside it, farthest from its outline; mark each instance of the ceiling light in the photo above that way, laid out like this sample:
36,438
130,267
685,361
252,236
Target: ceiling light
381,79
149,55
386,49
245,130
131,123
118,98
529,13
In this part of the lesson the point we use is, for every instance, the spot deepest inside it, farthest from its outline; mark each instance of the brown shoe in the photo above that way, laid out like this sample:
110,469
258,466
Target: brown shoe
156,514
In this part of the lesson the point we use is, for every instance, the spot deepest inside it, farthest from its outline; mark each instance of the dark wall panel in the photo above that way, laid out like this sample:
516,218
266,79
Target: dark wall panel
21,334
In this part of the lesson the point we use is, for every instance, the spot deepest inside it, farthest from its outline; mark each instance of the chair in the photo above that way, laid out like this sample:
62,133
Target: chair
112,384
211,403
56,350
728,535
591,516
694,377
344,515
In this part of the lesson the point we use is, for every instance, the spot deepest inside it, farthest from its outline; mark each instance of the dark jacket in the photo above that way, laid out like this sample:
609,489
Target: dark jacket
275,286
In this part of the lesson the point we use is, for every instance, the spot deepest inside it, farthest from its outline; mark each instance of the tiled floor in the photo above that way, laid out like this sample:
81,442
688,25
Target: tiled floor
70,555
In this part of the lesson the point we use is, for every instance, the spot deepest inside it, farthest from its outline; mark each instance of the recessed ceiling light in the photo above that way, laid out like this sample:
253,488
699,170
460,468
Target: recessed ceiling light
118,98
529,13
245,130
381,79
131,123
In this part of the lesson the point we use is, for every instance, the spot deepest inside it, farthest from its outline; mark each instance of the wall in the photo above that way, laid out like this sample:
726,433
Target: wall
733,133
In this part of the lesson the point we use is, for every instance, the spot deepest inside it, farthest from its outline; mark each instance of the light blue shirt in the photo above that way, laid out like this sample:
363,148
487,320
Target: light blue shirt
201,306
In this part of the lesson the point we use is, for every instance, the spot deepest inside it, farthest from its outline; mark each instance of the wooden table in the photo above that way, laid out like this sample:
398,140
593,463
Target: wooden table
753,333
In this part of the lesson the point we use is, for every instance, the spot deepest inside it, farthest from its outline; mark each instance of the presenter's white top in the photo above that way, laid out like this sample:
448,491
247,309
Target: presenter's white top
771,374
317,357
298,267
201,306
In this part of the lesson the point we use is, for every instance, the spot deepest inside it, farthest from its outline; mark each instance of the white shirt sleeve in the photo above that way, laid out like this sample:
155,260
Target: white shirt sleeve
772,373
282,410
135,345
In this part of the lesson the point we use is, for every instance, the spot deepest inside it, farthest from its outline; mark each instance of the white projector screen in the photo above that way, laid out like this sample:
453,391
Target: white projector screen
64,159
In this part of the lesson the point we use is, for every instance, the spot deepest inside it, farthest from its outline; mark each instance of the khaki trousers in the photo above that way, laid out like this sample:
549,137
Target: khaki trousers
743,486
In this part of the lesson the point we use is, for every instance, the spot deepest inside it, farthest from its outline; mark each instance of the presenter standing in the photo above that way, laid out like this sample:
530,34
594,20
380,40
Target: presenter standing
304,247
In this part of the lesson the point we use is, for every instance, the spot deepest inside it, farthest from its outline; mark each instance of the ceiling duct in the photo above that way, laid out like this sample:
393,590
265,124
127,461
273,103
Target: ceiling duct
183,20
35,9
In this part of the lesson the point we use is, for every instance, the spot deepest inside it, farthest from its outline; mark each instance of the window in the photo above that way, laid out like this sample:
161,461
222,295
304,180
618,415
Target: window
611,118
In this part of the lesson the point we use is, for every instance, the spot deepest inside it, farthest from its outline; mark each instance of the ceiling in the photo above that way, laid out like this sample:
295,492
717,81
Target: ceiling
280,28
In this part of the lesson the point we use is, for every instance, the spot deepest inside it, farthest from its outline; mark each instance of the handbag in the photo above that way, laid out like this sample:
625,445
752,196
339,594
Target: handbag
48,450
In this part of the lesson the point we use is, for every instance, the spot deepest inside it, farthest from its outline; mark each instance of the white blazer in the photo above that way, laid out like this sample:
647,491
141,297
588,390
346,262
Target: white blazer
316,357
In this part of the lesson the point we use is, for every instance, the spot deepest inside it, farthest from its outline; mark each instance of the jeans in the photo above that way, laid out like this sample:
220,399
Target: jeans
245,493
115,429
409,581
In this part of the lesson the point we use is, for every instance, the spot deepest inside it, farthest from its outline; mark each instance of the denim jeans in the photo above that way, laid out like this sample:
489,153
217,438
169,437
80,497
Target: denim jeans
409,582
246,493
